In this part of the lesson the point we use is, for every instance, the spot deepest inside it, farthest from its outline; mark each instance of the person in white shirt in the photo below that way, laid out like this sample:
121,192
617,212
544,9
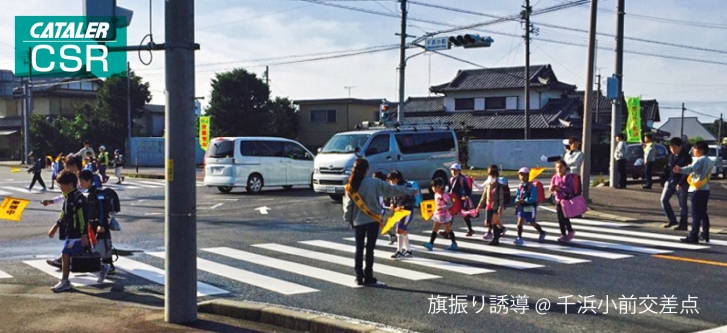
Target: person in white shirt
620,156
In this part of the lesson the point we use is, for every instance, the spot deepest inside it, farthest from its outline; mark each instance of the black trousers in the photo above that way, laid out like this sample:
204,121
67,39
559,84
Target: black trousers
37,177
621,167
563,222
648,173
366,236
700,218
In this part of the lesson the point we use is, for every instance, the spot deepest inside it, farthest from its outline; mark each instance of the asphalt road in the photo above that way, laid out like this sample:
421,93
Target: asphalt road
618,285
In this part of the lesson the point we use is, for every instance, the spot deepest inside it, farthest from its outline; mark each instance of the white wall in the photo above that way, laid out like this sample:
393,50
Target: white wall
537,98
512,154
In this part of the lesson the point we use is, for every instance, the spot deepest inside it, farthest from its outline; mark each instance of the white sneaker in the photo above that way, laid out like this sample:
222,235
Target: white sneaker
102,273
62,286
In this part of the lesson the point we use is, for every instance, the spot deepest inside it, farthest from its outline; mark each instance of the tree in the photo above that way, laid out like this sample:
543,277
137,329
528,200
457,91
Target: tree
284,118
238,106
112,100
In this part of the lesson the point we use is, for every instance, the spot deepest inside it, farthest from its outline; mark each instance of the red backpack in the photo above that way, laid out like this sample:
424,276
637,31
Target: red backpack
541,191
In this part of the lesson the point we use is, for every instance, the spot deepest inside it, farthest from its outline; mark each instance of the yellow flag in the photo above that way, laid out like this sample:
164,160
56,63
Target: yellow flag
535,172
701,182
12,208
204,132
427,208
15,169
396,217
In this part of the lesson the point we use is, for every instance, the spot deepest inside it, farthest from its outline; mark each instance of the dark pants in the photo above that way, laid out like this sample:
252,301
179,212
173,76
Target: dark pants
36,176
563,221
648,173
666,194
102,171
699,213
621,167
365,237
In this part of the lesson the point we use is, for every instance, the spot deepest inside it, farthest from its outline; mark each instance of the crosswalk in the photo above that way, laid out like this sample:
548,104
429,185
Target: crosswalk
329,262
135,184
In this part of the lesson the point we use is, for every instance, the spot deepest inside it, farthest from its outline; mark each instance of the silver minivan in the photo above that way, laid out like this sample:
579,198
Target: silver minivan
254,162
420,154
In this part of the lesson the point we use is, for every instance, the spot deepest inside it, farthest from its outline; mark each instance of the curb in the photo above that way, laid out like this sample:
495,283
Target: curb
281,317
597,214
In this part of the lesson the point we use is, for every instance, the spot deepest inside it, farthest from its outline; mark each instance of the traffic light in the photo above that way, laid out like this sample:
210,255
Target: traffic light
383,111
470,41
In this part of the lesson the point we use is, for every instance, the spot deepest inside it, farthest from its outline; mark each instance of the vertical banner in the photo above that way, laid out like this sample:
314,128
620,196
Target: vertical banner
633,124
204,132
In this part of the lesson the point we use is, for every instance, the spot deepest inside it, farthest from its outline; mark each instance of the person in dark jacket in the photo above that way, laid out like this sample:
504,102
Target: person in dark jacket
676,184
36,169
99,220
405,202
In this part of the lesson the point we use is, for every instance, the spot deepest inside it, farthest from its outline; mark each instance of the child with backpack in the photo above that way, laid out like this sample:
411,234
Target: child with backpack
494,197
442,215
391,233
119,163
506,195
460,191
56,168
99,216
563,186
398,203
526,200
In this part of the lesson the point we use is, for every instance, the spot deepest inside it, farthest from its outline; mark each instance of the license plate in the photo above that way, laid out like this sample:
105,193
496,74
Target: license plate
330,189
217,171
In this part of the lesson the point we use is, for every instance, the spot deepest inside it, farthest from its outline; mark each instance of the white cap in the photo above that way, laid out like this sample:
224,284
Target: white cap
102,148
455,166
566,142
524,170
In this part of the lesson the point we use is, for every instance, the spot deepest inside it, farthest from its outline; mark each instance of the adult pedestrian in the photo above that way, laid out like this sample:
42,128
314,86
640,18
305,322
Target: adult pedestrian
620,156
103,163
676,183
86,148
649,159
361,210
699,172
573,158
36,169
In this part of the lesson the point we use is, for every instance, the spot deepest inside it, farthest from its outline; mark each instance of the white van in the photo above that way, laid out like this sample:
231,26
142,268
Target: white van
420,154
254,162
715,154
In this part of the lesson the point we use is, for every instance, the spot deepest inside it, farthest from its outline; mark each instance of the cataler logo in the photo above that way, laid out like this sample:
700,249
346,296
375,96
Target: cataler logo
68,46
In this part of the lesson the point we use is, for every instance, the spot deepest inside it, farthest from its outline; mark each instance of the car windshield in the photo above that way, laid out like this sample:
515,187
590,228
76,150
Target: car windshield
712,152
220,148
345,143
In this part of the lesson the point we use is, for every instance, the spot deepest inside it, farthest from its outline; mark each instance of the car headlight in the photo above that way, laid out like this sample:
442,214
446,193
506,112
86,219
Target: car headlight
316,170
347,171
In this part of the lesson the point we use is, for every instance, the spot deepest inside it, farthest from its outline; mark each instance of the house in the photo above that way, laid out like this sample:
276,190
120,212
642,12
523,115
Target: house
692,128
10,117
320,119
151,123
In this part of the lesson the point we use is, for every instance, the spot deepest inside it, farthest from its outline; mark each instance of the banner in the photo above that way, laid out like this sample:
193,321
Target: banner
396,217
633,124
204,132
12,208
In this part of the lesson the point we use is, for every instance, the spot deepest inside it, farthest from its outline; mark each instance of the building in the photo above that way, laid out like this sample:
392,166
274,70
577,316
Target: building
10,118
322,118
692,128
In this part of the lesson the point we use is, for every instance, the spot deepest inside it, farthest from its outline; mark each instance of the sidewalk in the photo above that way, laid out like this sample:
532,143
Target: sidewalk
88,309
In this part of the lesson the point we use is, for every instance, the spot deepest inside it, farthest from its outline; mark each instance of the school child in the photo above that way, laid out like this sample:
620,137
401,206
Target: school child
103,163
56,168
490,170
699,170
392,234
494,197
562,185
526,200
89,162
406,202
118,163
441,216
460,192
72,226
99,221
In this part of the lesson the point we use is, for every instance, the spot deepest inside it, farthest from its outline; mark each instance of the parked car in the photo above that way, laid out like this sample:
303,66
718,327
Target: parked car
421,154
635,160
254,162
716,154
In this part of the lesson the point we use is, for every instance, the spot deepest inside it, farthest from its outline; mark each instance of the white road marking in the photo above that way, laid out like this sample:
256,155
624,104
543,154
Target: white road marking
5,193
641,241
217,205
247,277
4,275
77,279
156,184
156,275
263,210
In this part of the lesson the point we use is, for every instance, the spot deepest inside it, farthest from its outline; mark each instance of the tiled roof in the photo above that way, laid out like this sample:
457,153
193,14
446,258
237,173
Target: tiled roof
502,78
603,102
374,101
650,110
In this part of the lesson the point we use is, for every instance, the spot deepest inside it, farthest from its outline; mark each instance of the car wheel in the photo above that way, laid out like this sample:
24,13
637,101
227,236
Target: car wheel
225,189
287,187
254,183
336,197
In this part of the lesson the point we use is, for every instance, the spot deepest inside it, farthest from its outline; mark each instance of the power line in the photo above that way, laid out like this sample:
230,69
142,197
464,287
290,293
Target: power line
701,113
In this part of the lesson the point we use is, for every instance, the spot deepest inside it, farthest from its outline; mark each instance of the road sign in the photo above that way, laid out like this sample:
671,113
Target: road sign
436,43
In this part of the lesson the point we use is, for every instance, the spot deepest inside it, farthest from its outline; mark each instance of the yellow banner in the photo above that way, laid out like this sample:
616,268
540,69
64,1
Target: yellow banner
204,132
396,217
633,124
427,208
535,172
12,208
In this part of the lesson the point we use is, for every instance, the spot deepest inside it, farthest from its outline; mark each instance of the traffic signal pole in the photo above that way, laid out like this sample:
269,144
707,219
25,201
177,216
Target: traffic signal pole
616,106
402,65
526,16
180,216
588,101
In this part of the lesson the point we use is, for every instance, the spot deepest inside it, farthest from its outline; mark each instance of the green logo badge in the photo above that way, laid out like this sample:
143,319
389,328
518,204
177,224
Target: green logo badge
76,46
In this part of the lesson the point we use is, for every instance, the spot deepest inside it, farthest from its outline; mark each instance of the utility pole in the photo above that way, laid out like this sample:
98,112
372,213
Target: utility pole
180,216
587,114
616,106
526,17
719,132
402,65
349,90
267,76
681,122
598,98
128,109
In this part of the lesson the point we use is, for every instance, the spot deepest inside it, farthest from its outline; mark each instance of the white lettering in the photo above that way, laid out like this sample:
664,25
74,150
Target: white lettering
34,57
48,31
32,29
103,28
91,29
59,28
68,32
79,31
66,56
90,58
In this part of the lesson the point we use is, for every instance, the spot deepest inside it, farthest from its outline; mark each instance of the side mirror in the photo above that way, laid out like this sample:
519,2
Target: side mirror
319,150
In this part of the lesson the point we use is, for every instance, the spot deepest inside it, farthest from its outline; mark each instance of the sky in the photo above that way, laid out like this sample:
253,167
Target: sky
284,33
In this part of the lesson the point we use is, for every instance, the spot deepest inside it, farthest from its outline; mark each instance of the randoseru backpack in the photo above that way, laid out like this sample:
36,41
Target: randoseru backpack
505,190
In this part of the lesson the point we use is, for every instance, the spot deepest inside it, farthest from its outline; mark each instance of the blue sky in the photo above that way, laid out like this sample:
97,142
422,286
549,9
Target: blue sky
253,33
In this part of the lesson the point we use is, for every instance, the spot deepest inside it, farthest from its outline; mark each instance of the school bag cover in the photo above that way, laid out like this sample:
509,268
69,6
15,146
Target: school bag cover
505,190
109,200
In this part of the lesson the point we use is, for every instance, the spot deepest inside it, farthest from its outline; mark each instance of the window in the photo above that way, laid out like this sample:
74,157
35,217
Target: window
323,116
425,142
249,148
271,149
221,149
379,144
345,143
495,103
464,104
296,152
